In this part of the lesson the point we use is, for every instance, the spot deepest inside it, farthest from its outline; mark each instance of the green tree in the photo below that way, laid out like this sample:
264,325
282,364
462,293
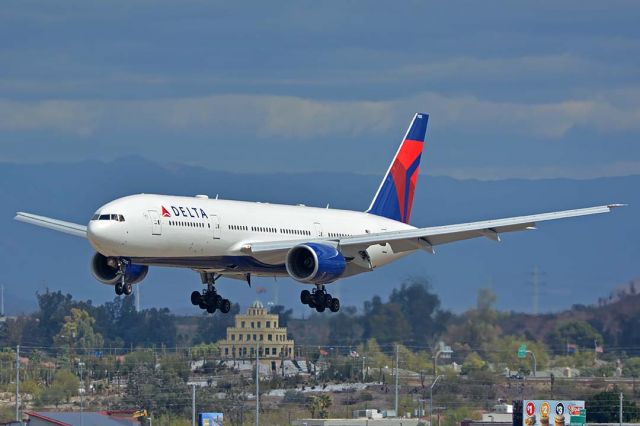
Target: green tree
319,405
603,408
77,332
66,384
473,363
576,332
631,367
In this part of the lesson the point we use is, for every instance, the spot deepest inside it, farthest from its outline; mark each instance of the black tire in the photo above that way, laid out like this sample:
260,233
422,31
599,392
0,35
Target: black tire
217,301
211,309
305,297
319,299
202,304
312,304
196,298
225,306
334,306
320,308
119,289
327,300
127,289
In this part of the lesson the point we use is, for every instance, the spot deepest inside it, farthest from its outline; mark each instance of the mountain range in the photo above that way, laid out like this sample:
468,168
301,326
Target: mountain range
579,259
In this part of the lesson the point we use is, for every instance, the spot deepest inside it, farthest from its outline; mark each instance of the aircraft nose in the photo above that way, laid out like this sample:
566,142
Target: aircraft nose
105,236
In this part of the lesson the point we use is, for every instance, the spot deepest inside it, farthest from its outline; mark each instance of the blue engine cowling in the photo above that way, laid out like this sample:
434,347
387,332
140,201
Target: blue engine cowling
106,271
315,263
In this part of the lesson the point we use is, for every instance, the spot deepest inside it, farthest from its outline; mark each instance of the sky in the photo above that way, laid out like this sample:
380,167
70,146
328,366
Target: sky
514,89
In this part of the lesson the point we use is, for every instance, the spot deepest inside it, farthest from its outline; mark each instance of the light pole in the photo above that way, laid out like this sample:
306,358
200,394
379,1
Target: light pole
257,385
431,398
534,362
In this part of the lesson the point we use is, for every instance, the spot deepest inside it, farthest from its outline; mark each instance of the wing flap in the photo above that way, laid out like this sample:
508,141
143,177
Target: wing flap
56,225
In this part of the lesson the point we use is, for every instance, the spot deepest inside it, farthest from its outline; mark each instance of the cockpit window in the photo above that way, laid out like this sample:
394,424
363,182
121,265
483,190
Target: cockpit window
114,217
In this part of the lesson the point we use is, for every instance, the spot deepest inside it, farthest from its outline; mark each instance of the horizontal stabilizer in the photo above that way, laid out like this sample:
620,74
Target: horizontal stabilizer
56,225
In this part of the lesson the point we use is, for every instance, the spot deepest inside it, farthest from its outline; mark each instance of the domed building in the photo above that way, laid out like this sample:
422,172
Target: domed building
257,329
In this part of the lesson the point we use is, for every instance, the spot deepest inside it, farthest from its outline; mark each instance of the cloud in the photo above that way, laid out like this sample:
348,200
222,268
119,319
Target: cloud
290,117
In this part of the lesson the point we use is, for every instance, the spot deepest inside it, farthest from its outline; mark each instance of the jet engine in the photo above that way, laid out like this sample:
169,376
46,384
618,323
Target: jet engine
315,263
105,269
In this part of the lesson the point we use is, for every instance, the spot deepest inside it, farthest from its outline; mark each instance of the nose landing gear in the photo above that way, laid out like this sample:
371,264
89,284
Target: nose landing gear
209,299
319,299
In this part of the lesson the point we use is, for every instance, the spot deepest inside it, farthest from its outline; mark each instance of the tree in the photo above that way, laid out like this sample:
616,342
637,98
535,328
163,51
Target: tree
284,314
319,405
603,408
77,332
576,332
212,328
66,384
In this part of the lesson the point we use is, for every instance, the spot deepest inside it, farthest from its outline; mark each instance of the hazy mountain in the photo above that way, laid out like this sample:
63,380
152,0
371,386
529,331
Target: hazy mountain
580,259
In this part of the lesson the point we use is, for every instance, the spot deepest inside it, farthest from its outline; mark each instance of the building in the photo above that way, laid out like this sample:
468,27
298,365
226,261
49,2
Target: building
257,329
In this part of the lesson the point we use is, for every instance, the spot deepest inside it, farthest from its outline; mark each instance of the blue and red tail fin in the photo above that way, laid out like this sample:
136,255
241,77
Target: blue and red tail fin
395,194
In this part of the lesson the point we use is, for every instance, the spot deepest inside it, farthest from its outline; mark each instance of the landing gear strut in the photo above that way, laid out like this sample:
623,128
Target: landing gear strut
123,287
209,299
319,299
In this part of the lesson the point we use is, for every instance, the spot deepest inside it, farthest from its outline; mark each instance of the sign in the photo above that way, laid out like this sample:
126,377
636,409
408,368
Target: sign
522,351
210,419
553,413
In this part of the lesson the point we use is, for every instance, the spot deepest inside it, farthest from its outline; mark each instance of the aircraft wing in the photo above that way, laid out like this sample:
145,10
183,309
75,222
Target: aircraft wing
427,238
56,225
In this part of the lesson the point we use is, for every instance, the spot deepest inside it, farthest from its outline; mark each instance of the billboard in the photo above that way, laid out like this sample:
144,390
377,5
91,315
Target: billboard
553,413
210,419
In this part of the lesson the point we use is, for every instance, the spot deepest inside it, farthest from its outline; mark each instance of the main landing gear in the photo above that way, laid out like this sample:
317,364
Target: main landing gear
122,287
209,299
320,300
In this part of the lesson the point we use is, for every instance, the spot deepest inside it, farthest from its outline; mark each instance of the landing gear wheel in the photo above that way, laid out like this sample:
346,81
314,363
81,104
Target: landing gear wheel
312,304
225,306
305,297
327,300
211,309
119,289
127,289
196,298
334,306
320,308
318,298
202,305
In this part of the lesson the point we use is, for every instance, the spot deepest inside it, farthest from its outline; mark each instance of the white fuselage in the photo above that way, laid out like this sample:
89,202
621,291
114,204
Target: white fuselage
209,234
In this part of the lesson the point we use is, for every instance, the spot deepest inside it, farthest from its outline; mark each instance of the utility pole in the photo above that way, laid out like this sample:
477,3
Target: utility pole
397,357
621,398
364,358
81,365
193,404
431,400
257,384
18,383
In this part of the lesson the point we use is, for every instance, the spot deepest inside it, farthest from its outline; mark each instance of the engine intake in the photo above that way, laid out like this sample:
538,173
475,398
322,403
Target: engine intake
315,263
105,269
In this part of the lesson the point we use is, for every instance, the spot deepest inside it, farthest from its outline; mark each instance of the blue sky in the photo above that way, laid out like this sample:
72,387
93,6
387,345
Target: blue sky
514,89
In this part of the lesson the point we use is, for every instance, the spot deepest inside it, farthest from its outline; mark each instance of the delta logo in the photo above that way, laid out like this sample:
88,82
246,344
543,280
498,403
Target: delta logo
181,211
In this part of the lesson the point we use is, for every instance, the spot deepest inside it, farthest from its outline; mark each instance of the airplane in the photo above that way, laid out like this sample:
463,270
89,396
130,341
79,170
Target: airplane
238,239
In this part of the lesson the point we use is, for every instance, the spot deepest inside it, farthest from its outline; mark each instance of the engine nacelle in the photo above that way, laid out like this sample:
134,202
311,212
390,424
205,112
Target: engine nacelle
315,263
105,270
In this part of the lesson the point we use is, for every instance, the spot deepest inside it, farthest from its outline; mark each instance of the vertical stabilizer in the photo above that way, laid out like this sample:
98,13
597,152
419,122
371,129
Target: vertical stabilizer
394,197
